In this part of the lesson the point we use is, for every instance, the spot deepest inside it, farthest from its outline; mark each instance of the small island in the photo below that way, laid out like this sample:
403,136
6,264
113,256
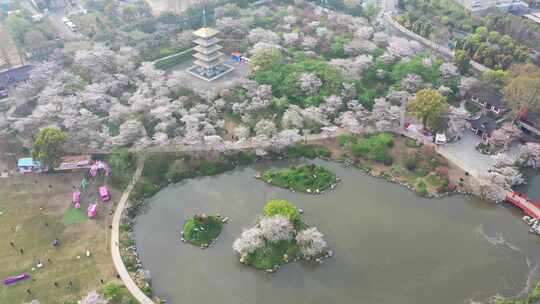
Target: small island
203,230
308,178
280,237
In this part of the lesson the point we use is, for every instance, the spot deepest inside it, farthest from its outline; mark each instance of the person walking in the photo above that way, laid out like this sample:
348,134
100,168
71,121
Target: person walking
21,251
12,244
56,284
28,291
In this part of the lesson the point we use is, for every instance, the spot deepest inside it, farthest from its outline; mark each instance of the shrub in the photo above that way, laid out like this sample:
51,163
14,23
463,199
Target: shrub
421,188
346,140
411,163
375,148
283,207
412,143
113,292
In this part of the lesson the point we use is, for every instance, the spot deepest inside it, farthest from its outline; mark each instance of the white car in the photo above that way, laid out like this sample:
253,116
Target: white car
65,20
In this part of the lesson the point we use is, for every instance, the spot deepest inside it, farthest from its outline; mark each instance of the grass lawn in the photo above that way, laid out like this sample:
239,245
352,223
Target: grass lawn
34,214
202,231
305,178
272,254
74,216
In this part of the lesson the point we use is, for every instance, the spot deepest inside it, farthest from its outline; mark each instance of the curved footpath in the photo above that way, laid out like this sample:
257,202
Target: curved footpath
115,235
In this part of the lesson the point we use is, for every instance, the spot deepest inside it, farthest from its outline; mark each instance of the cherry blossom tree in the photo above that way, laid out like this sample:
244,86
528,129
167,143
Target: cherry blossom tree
262,35
130,131
529,154
311,242
285,138
353,67
309,83
385,116
457,121
250,240
276,228
292,117
491,186
403,47
265,127
309,42
291,39
241,132
502,137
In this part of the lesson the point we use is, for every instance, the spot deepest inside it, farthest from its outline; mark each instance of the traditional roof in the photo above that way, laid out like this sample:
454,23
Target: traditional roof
487,95
206,32
483,123
13,76
208,50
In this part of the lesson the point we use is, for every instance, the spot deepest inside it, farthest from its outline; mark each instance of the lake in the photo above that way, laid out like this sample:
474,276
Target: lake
390,246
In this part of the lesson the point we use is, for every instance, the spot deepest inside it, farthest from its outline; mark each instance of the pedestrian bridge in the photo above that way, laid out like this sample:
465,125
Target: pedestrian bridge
530,207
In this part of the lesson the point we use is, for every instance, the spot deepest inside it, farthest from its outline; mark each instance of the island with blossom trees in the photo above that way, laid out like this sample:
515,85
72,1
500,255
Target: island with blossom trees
280,237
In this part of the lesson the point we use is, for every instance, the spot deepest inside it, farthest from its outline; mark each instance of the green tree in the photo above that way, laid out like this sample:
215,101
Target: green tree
17,27
284,208
122,163
523,90
48,146
462,61
430,107
482,31
495,78
370,11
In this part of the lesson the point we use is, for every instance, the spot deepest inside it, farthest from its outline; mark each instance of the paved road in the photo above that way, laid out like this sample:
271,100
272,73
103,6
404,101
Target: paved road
115,234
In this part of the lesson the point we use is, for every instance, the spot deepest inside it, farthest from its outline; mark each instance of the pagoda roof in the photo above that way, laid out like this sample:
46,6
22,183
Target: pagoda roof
207,65
206,32
208,58
207,41
208,50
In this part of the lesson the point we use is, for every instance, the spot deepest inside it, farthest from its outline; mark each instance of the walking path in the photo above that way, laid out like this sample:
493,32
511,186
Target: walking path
115,235
430,44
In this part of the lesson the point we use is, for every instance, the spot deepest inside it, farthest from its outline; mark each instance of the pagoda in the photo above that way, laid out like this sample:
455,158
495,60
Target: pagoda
208,63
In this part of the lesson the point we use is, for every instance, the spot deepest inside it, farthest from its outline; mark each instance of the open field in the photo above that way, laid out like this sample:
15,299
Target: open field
34,209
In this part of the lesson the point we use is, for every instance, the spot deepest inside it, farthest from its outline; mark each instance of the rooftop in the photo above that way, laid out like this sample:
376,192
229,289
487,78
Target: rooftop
13,76
484,94
483,123
206,32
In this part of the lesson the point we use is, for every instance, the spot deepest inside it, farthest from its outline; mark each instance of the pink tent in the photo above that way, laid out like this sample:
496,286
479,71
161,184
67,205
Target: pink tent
104,193
76,197
93,170
92,210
